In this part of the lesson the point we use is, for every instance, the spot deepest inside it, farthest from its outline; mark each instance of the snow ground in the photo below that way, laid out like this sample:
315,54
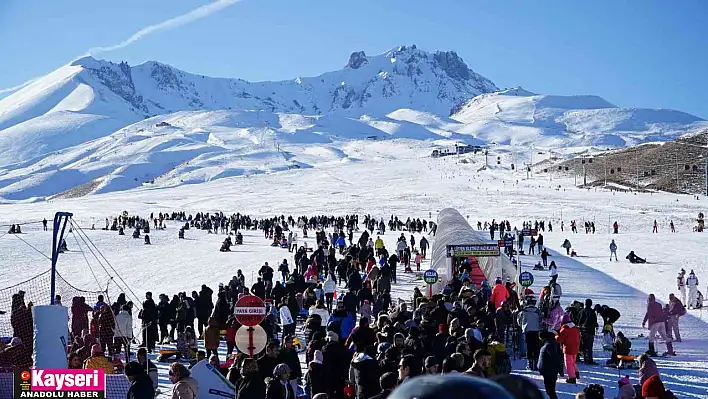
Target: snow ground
397,177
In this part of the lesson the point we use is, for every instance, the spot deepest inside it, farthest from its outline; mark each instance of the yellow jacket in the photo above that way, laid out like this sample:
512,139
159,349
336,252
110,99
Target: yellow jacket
99,362
379,243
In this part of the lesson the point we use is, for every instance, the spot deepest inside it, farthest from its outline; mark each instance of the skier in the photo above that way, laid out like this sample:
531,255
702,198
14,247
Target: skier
615,227
44,223
671,226
655,229
657,324
681,284
692,283
613,250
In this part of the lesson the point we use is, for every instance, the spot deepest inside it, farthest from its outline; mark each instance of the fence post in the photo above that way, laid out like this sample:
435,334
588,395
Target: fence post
60,219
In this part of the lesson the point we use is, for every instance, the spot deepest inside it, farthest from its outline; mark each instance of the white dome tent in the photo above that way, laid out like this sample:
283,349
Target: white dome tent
453,229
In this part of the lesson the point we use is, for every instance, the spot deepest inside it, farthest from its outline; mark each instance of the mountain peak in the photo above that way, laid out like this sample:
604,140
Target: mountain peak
86,61
357,59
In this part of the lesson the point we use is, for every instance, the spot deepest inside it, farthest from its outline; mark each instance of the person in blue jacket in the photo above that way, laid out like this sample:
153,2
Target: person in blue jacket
341,322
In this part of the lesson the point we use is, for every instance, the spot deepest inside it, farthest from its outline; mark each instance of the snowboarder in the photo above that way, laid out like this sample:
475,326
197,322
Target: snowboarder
692,284
681,285
613,250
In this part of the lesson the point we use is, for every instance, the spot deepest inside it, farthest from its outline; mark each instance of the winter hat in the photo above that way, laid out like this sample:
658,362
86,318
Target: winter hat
653,387
383,347
332,336
317,357
566,319
431,361
134,368
623,381
96,350
281,369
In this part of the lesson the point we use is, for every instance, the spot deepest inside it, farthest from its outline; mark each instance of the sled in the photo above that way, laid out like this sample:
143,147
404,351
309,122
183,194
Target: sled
626,362
166,354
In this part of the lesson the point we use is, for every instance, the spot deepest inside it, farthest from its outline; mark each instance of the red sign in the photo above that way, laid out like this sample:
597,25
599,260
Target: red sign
250,310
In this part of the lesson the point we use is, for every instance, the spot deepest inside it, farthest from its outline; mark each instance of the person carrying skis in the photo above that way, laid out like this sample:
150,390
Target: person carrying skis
656,320
613,250
681,285
692,284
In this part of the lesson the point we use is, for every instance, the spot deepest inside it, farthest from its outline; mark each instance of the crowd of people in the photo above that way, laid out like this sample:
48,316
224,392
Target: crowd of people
358,340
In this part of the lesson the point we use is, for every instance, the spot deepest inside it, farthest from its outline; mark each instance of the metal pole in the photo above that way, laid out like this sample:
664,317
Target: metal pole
60,219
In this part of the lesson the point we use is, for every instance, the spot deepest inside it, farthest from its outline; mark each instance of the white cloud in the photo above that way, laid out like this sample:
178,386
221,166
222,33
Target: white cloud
18,87
195,14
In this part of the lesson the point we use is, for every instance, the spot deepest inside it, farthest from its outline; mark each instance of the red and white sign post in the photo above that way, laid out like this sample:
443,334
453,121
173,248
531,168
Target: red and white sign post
250,311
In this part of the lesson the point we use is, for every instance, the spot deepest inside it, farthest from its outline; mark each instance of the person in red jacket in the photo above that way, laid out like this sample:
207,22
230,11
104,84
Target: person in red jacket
569,337
499,293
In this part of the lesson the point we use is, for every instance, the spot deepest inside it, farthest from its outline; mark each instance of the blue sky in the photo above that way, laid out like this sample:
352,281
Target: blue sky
633,53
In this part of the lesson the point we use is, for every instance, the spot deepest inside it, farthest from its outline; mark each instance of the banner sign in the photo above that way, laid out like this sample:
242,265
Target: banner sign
477,250
60,383
526,279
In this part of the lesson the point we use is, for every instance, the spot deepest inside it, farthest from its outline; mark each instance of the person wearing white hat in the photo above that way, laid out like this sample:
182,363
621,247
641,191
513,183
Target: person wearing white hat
692,283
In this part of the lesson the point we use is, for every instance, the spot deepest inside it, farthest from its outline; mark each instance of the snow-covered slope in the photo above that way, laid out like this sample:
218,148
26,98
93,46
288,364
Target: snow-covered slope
94,126
518,116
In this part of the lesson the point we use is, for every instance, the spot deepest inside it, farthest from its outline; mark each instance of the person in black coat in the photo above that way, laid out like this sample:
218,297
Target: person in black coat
140,382
550,363
366,373
288,355
588,325
251,386
267,362
388,382
204,307
221,310
335,359
148,315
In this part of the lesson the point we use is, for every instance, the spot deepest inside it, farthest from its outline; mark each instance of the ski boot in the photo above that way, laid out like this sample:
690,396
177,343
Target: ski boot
652,351
571,381
669,349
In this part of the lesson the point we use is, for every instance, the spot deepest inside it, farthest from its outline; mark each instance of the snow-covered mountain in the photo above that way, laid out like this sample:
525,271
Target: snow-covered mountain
88,98
517,116
94,126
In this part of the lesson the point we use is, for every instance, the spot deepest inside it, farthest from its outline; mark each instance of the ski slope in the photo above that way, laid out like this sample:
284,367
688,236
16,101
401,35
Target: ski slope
94,126
397,177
